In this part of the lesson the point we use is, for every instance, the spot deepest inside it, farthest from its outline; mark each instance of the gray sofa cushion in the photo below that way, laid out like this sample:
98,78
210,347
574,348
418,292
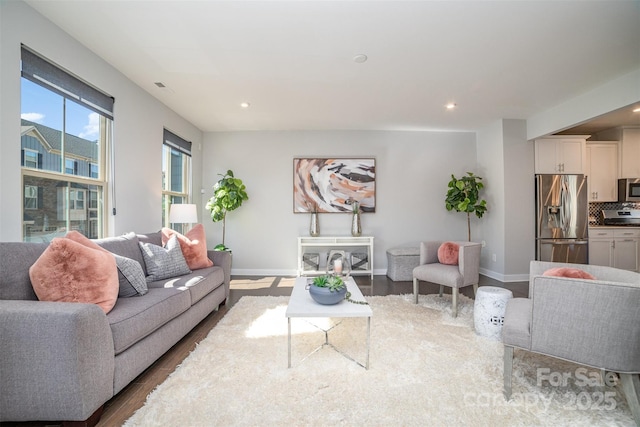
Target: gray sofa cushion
132,319
199,283
125,245
15,260
154,238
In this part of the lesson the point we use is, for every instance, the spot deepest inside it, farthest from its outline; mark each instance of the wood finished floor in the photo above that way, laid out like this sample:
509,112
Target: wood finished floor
132,397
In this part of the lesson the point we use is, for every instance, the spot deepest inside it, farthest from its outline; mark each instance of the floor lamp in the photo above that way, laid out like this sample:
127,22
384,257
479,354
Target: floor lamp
183,214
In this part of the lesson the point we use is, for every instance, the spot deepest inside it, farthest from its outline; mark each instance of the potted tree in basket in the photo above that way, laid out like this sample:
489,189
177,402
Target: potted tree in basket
463,196
228,195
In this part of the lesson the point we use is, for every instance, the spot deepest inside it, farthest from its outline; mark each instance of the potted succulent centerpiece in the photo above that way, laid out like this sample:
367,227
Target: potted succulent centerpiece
327,289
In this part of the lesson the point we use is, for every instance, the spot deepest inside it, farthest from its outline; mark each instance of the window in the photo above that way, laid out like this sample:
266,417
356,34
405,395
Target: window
30,197
70,167
30,158
66,132
176,175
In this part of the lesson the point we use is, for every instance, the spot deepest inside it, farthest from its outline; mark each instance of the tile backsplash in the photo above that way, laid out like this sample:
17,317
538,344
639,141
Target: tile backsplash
596,207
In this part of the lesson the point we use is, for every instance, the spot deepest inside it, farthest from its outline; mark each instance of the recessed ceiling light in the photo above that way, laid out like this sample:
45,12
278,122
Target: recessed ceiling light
451,106
636,110
245,105
360,58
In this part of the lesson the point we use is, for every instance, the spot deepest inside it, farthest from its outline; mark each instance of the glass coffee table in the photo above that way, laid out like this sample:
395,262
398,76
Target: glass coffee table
302,305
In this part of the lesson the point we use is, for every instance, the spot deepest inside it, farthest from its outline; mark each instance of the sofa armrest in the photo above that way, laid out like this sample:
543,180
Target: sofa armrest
223,259
56,360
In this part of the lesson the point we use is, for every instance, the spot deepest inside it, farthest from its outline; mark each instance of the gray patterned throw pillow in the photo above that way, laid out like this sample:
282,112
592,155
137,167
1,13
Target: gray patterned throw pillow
164,263
130,277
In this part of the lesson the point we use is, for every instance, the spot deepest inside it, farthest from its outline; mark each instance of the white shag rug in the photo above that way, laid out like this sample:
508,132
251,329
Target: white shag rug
426,368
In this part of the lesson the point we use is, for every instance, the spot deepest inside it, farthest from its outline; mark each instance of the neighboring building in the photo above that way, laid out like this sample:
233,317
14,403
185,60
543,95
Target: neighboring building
45,199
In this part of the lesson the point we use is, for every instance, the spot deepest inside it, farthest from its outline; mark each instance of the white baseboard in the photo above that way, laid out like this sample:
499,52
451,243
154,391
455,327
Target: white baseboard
505,278
381,272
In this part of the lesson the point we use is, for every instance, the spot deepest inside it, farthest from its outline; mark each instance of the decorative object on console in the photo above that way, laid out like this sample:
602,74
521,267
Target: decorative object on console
228,195
333,257
356,227
311,261
330,184
463,196
314,227
359,261
327,289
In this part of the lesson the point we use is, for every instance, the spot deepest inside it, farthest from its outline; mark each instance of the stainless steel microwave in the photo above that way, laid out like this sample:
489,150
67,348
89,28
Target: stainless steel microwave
629,190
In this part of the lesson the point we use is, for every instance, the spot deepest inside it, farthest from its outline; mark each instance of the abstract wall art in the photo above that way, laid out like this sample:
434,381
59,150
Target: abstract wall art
333,184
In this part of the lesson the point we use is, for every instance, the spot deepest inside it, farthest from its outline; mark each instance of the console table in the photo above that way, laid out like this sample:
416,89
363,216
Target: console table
346,243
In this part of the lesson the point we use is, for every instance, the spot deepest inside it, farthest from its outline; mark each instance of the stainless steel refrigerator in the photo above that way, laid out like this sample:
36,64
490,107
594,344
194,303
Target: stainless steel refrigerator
562,218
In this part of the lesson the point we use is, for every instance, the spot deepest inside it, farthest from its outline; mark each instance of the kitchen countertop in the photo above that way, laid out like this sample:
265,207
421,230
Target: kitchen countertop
614,226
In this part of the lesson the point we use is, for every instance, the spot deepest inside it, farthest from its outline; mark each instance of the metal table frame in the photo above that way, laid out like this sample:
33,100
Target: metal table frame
302,305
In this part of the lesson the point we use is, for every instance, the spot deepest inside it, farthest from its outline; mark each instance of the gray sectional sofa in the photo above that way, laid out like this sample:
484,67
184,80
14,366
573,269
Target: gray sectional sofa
62,361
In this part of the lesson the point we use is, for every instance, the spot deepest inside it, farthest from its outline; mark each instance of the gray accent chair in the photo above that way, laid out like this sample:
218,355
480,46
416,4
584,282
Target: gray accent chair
466,273
595,323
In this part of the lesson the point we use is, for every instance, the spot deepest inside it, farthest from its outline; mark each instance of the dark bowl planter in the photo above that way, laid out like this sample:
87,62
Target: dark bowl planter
325,296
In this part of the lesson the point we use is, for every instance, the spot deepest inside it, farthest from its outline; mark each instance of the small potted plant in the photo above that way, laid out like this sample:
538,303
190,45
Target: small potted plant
327,289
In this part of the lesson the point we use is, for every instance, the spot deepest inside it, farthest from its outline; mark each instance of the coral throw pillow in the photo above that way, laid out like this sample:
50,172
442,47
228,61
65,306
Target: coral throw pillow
448,253
193,246
573,273
75,269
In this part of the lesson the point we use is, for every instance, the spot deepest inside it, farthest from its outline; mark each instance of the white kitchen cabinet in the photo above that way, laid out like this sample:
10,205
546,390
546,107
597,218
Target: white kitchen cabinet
617,247
625,251
601,246
561,154
630,153
602,171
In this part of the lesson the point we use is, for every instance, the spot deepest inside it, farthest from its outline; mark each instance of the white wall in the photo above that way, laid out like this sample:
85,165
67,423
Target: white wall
519,196
412,172
490,167
138,124
610,96
505,159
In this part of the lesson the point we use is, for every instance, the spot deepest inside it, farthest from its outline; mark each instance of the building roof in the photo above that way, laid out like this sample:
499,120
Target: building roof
74,146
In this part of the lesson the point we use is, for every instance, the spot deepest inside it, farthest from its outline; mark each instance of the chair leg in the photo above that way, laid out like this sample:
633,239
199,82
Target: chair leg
475,290
454,302
507,371
415,289
631,388
441,289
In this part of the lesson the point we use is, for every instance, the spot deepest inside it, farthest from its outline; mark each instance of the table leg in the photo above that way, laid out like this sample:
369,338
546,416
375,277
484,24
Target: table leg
368,340
289,342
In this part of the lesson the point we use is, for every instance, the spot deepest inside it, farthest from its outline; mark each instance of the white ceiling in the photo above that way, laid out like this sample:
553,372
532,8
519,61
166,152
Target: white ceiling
293,60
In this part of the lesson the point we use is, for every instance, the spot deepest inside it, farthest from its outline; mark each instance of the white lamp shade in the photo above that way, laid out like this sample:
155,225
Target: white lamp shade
183,213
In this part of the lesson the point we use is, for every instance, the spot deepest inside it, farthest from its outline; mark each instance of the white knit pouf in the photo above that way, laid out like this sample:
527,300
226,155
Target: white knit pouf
488,311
